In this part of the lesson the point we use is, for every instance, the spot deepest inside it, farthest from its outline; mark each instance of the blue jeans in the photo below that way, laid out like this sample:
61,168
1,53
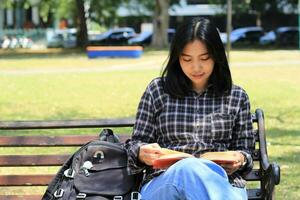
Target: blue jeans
192,179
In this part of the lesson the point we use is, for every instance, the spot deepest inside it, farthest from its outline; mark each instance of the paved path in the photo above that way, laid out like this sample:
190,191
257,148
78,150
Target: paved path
147,65
126,67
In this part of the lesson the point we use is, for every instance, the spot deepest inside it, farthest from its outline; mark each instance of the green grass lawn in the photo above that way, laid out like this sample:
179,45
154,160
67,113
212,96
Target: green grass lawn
70,86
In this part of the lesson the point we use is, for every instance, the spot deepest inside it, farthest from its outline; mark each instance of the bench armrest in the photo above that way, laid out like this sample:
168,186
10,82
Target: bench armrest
269,179
270,172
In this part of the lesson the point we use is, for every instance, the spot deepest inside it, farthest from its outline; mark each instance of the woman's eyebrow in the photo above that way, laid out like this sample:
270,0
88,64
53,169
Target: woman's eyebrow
203,54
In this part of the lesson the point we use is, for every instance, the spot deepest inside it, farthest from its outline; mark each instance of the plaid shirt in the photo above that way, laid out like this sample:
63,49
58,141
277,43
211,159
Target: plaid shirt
194,124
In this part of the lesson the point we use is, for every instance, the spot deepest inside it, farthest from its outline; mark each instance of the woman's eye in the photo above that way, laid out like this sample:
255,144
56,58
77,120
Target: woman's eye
186,60
205,58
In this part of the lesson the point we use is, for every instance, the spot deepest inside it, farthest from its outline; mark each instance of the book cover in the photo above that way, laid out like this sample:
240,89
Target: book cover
170,157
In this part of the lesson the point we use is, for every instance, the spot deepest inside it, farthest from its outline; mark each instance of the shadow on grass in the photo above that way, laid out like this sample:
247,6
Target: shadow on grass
284,146
283,115
290,157
283,137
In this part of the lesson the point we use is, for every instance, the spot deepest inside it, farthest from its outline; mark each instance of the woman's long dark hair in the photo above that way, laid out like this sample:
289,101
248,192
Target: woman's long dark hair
176,83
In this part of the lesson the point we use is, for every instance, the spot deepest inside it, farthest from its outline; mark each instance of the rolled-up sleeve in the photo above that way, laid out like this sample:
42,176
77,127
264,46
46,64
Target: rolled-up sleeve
243,135
144,132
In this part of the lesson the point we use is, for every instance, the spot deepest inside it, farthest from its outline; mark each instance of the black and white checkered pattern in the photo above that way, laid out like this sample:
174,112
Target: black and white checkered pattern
194,124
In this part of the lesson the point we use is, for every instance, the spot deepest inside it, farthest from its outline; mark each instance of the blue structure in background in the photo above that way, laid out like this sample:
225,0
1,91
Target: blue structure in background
114,51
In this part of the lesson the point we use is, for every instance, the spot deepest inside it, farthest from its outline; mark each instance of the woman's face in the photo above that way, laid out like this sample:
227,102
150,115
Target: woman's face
196,64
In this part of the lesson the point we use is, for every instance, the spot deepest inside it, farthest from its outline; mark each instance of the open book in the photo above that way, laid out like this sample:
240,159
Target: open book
170,157
222,157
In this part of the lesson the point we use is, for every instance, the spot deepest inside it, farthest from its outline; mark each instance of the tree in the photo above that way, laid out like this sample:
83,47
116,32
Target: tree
160,20
270,6
82,32
160,24
102,12
258,6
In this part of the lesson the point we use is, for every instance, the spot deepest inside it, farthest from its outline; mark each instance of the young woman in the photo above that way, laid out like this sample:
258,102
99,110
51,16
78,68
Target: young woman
193,108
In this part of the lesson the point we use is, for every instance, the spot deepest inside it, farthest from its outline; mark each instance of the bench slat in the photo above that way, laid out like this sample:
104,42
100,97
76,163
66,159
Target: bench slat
55,124
69,140
22,197
25,180
32,160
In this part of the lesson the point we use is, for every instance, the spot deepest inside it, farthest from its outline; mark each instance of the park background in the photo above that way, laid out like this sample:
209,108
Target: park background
57,84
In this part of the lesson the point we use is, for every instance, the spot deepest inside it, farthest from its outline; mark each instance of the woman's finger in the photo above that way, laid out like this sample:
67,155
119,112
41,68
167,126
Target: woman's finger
149,152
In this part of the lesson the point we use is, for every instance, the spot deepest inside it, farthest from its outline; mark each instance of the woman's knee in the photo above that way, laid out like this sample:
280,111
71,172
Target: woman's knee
187,165
196,166
190,164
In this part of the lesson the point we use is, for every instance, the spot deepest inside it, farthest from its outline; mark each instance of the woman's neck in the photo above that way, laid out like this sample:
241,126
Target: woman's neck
198,89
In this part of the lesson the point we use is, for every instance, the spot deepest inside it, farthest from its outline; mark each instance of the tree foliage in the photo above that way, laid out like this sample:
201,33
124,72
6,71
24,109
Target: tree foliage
242,6
101,11
104,12
258,7
59,8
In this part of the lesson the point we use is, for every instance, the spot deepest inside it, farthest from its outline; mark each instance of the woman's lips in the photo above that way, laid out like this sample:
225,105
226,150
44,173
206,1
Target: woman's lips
198,75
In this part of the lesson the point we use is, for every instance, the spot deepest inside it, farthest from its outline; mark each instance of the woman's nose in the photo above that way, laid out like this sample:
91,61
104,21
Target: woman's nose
197,66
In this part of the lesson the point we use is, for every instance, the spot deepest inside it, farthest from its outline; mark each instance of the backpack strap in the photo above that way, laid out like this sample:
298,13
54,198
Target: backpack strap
109,136
53,186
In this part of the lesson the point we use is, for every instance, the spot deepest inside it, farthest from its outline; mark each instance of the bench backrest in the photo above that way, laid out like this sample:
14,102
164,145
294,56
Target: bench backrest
78,140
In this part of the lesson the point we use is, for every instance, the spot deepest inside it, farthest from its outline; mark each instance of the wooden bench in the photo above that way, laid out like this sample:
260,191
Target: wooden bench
267,175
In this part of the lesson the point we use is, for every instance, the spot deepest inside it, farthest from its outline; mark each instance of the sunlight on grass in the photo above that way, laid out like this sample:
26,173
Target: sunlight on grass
92,95
265,55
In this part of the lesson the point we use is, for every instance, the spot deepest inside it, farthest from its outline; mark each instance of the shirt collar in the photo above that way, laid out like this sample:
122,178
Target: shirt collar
194,93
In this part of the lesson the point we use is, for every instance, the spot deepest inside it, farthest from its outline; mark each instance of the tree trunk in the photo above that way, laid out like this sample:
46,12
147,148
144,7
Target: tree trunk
228,28
160,24
82,36
258,18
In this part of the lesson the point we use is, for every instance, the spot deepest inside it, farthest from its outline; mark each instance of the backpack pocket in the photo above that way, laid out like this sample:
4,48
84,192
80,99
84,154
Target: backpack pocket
103,171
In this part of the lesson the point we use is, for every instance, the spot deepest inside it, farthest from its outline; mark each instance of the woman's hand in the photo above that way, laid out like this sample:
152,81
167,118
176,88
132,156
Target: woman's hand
149,152
232,167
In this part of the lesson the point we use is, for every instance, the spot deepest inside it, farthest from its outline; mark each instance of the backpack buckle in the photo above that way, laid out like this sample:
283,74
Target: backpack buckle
118,198
59,193
69,173
81,196
135,196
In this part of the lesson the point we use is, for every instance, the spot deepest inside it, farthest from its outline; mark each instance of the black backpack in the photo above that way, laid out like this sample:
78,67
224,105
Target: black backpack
97,171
